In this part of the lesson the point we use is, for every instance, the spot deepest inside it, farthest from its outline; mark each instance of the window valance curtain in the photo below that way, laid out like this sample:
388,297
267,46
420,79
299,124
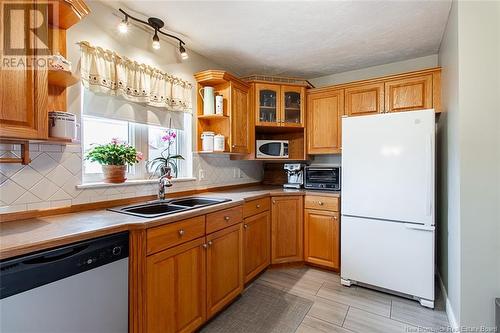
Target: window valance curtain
105,72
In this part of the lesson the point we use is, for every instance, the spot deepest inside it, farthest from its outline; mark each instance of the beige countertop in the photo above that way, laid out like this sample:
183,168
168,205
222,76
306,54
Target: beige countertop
25,236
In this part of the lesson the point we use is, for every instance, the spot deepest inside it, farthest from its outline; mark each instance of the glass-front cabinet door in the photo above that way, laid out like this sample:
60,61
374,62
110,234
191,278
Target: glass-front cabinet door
267,104
292,106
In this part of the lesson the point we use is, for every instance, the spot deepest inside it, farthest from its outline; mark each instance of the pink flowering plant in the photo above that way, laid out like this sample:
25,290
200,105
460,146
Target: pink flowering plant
167,162
114,153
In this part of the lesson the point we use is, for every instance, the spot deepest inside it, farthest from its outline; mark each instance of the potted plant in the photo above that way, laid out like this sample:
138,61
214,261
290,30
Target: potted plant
166,163
114,158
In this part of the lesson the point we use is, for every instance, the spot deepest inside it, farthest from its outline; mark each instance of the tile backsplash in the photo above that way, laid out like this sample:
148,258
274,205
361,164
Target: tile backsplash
51,179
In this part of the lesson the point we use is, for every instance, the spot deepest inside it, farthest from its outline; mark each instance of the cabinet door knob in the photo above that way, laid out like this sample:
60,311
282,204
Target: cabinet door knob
320,203
181,232
205,246
274,202
226,218
258,206
245,226
233,146
335,217
209,243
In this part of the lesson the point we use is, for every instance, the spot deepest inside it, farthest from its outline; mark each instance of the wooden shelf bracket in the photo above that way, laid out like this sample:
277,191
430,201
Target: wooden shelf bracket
25,155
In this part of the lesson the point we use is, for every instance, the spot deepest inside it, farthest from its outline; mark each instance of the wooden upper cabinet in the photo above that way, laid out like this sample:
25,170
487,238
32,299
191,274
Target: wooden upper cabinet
406,94
176,288
322,238
324,112
256,244
267,104
24,89
287,229
279,105
224,267
292,106
240,127
364,99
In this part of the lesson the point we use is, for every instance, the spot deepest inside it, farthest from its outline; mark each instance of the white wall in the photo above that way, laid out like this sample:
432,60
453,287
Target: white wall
51,179
479,104
376,71
448,170
470,56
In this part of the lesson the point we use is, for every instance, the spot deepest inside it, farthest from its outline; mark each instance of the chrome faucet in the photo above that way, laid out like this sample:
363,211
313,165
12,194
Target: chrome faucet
164,182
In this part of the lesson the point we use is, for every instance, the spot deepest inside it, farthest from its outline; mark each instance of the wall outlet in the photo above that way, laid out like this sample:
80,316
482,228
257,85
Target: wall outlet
201,174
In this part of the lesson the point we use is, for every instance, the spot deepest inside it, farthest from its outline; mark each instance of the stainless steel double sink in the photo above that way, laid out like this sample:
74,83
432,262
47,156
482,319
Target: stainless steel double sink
165,207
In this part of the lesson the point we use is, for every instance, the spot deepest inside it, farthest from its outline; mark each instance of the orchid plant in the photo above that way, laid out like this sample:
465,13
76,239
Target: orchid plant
166,162
114,153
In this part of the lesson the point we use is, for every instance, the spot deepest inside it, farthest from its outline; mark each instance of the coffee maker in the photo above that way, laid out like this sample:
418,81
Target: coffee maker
295,175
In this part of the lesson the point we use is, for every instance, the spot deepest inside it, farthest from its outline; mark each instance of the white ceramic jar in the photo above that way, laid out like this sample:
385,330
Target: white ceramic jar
207,141
219,141
62,125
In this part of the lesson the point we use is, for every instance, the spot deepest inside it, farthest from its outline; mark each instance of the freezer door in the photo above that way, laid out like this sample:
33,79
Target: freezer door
390,255
388,166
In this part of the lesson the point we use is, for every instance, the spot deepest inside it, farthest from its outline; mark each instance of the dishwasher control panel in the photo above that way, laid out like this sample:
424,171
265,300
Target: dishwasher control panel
30,271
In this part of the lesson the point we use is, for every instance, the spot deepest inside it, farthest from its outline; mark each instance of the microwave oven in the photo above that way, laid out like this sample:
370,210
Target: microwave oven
322,178
272,149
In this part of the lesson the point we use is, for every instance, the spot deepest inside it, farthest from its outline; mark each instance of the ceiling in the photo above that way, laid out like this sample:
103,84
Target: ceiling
303,38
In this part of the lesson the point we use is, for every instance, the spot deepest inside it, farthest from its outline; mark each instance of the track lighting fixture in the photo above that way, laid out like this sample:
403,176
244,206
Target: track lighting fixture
156,24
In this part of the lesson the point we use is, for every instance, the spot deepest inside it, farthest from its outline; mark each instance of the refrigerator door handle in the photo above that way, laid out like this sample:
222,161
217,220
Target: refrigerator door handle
429,154
420,227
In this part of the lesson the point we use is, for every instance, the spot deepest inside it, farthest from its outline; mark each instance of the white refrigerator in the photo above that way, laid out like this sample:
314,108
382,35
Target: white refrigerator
387,205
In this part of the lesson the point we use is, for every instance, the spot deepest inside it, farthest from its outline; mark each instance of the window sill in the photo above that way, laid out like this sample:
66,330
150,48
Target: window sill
131,182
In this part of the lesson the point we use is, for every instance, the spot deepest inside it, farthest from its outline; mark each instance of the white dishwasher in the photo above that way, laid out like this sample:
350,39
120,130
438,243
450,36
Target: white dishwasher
78,288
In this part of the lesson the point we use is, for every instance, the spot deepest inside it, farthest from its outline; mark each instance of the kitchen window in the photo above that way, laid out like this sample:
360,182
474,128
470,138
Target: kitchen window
146,139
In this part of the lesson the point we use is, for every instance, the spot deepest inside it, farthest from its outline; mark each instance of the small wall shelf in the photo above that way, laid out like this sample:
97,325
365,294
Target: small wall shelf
213,116
62,78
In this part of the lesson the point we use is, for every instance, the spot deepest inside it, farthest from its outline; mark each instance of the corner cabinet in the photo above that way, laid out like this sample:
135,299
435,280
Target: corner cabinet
235,122
287,229
324,113
279,105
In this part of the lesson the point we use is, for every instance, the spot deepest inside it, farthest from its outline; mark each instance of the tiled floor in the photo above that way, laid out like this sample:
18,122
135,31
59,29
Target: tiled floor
356,309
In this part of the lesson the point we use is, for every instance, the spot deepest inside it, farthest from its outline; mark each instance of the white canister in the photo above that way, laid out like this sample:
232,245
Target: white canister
219,105
62,125
207,141
219,142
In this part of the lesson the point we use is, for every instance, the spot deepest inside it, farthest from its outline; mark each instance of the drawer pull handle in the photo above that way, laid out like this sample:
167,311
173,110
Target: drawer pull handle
245,226
181,232
258,206
320,203
226,218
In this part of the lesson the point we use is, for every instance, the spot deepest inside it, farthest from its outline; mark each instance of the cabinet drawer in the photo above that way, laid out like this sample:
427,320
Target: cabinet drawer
176,233
224,218
255,207
322,202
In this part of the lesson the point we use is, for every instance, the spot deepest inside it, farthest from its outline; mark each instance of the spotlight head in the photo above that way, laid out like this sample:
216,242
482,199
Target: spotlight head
123,26
184,54
156,41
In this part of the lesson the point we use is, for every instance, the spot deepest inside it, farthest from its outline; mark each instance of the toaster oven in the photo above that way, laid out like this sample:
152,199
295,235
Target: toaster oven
322,178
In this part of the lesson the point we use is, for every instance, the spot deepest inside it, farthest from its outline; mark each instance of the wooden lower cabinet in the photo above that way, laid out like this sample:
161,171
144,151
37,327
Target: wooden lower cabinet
224,267
287,229
256,244
322,238
176,288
